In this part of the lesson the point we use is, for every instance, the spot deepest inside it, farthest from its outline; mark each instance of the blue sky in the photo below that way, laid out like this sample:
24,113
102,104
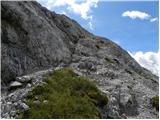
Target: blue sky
133,24
131,34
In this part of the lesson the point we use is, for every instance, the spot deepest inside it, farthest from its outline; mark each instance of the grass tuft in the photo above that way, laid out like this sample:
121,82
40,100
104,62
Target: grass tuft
68,96
155,102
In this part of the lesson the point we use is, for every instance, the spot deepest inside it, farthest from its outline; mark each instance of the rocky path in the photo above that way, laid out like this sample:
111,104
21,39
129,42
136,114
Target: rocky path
126,99
14,100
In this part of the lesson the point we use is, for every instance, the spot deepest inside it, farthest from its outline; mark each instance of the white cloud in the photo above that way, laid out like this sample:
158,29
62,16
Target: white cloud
153,19
82,8
134,14
148,60
79,7
117,42
90,25
63,12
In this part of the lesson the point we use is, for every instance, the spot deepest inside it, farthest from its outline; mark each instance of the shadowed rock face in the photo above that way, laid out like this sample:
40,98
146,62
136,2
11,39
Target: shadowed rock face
35,39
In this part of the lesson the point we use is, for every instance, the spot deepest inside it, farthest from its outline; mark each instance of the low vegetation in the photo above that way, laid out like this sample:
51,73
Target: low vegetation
128,71
155,102
67,96
110,60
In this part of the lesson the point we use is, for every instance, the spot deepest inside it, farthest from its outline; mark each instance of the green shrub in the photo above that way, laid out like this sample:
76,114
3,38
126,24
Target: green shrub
155,102
68,95
110,60
98,98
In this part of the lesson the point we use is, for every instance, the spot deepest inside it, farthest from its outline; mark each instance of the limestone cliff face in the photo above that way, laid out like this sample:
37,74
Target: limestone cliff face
35,39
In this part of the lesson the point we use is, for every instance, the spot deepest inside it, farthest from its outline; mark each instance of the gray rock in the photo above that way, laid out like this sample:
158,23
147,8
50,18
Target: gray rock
6,115
24,79
9,103
36,97
37,102
113,108
35,42
123,116
45,101
15,84
28,85
13,113
87,65
35,46
23,106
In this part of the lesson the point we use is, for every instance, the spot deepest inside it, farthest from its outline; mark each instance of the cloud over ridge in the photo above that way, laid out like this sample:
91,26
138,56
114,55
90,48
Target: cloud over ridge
82,8
148,60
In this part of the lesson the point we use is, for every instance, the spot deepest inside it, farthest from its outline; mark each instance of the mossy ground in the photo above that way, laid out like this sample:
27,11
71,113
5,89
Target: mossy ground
155,102
68,96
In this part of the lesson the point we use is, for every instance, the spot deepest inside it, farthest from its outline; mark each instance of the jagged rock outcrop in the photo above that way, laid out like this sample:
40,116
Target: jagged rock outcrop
35,39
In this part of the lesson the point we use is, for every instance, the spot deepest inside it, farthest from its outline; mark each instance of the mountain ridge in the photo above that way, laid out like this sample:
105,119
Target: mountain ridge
35,39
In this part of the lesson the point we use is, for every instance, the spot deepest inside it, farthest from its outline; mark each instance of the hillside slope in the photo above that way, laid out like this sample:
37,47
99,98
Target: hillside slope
34,39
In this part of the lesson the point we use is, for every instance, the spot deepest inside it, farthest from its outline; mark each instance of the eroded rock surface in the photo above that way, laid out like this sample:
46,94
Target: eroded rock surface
35,40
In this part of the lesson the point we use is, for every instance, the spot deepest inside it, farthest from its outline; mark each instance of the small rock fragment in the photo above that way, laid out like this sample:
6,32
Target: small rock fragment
45,101
15,84
37,102
123,116
24,79
13,113
23,106
36,97
29,85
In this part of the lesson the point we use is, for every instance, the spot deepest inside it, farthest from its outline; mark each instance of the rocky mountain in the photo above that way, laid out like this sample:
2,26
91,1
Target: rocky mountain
36,40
